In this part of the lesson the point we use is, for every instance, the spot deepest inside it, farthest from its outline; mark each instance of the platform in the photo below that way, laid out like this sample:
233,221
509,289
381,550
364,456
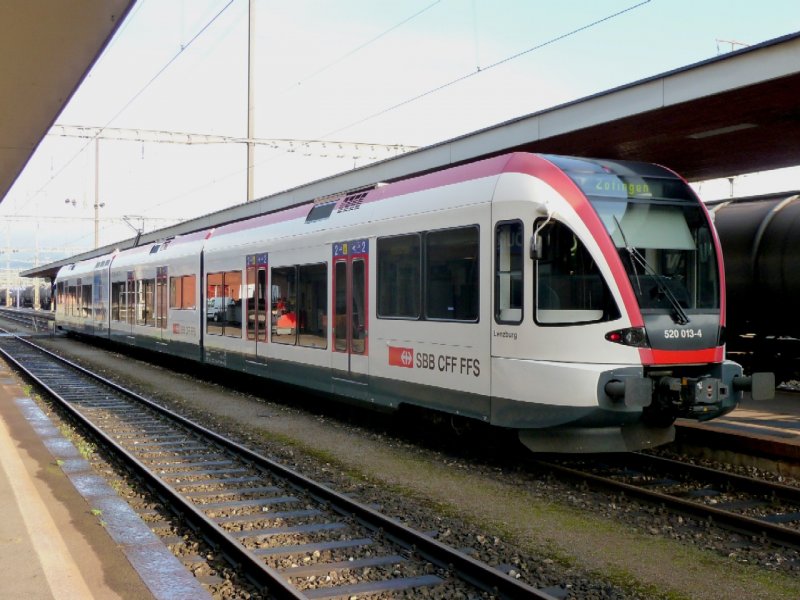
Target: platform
769,428
62,541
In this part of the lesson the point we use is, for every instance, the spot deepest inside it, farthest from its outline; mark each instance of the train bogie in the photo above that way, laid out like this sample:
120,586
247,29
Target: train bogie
578,302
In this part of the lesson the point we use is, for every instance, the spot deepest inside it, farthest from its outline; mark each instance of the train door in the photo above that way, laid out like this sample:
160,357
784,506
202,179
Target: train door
257,306
130,301
509,288
161,302
350,360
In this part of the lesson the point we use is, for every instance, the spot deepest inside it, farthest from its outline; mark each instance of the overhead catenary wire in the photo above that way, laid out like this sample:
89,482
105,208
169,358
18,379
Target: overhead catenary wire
361,46
158,74
432,91
480,70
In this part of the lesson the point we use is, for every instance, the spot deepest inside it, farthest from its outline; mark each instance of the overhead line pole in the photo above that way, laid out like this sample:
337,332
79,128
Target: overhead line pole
251,101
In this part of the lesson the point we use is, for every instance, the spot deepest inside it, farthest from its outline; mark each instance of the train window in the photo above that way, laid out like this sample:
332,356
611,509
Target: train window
320,211
508,279
60,297
182,292
451,274
130,301
224,304
667,251
256,303
118,312
70,306
359,317
399,276
569,286
86,301
312,306
232,284
99,299
146,302
215,304
284,302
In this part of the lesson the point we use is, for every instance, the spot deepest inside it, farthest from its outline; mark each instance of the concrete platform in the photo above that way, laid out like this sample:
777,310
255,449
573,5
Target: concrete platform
769,428
59,541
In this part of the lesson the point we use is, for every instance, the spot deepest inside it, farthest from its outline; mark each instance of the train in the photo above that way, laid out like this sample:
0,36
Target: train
25,296
760,237
577,302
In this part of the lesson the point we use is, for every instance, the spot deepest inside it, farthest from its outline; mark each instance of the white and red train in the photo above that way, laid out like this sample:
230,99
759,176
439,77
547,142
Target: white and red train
580,302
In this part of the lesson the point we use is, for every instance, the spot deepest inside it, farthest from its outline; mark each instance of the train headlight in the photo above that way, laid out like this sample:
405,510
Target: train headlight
632,336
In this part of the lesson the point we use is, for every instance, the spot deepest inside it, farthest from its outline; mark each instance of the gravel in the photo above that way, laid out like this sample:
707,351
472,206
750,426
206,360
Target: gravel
474,489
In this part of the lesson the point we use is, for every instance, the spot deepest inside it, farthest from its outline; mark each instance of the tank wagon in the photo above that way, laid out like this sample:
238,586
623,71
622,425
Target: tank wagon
580,302
760,237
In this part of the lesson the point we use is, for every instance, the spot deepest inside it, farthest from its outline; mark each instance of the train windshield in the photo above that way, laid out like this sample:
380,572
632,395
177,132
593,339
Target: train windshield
667,250
661,231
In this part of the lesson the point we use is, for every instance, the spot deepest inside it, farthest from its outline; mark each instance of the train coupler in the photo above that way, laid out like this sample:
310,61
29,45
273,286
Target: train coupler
698,398
760,385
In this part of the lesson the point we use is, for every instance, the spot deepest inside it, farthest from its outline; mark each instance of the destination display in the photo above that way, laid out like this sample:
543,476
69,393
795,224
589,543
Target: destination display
631,188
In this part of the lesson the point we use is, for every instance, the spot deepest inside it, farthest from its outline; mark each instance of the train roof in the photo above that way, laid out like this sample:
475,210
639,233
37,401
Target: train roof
756,198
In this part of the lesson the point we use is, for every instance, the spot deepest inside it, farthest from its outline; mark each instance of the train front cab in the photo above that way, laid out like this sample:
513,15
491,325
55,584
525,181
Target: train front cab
609,308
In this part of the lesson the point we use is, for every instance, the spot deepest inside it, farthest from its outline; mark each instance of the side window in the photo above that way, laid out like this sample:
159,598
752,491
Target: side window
312,306
508,283
399,277
224,304
569,287
86,301
72,304
118,301
284,305
215,304
452,274
145,302
161,298
131,297
182,292
60,297
232,313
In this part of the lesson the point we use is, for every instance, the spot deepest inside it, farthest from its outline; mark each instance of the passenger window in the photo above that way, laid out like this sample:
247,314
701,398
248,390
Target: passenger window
145,302
508,283
451,274
569,286
215,304
399,277
312,305
232,315
182,292
284,305
118,301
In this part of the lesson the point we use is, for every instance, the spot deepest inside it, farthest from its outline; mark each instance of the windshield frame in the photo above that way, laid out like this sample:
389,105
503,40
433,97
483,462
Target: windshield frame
677,279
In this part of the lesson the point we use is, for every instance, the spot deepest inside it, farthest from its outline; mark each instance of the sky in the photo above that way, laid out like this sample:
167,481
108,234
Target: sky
389,72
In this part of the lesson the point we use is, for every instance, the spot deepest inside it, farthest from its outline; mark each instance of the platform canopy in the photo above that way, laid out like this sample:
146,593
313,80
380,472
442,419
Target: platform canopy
732,114
46,49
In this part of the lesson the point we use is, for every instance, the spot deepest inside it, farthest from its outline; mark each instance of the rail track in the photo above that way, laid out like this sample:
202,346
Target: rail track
39,322
293,537
757,507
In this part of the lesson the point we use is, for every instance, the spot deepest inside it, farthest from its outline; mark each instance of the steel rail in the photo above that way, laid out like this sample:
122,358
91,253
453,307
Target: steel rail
737,522
742,482
264,576
469,569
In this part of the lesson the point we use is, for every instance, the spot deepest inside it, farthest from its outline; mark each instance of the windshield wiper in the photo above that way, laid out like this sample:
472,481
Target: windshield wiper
678,315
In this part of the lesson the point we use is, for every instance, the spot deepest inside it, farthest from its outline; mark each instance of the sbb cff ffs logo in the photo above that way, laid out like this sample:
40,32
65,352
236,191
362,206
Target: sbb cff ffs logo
444,363
401,357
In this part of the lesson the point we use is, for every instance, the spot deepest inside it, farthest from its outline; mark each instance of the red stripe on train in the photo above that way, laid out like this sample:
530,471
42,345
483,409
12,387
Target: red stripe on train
681,357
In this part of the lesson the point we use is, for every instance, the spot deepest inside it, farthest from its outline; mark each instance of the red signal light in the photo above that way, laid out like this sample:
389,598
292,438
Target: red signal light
632,336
